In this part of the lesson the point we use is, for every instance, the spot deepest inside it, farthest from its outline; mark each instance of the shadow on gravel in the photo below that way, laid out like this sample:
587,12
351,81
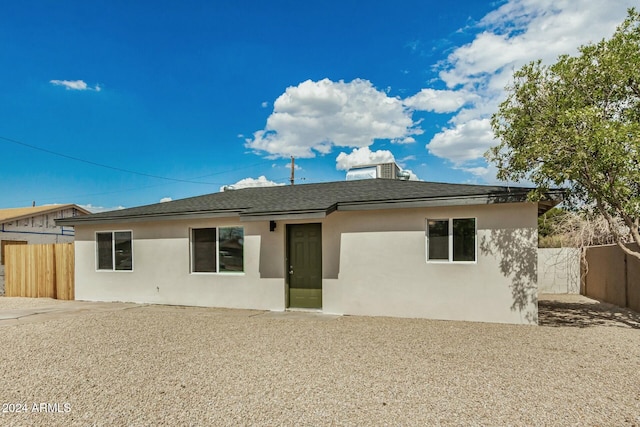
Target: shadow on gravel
584,315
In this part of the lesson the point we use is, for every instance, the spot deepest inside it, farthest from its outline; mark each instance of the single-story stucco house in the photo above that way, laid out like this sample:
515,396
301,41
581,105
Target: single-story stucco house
379,247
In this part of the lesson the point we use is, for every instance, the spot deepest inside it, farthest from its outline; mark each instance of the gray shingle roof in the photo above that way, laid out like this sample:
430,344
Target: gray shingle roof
322,198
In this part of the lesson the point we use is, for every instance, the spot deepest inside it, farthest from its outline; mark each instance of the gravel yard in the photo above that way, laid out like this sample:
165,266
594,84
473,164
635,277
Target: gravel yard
152,365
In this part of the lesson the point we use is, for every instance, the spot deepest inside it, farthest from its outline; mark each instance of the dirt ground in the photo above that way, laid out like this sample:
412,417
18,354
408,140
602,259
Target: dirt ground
581,312
162,365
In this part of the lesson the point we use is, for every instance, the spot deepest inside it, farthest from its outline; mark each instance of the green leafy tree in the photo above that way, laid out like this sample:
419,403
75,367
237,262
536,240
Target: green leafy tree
576,124
547,222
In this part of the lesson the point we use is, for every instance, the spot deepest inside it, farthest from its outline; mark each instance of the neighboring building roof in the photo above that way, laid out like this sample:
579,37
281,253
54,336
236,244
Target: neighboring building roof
318,200
13,214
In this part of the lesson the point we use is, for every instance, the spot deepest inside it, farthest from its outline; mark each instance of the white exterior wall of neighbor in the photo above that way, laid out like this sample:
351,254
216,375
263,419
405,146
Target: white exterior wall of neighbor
559,270
38,229
374,263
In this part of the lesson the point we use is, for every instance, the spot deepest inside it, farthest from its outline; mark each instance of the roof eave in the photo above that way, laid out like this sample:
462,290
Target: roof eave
147,217
434,202
552,198
287,215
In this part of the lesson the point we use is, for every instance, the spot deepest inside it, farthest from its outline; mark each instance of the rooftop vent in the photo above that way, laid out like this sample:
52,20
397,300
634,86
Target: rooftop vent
404,176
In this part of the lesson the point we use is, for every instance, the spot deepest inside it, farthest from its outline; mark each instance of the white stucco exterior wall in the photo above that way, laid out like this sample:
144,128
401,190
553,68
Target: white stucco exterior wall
385,272
374,263
161,269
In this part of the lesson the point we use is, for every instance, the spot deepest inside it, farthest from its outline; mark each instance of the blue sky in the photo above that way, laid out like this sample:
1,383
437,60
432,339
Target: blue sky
113,104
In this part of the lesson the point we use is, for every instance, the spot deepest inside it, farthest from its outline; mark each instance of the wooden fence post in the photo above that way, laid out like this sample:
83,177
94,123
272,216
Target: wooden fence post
626,281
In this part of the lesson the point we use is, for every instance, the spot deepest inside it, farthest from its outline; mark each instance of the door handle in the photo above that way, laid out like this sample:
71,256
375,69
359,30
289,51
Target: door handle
290,269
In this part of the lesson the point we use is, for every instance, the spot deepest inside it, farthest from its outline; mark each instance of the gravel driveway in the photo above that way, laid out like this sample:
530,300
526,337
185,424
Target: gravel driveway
154,365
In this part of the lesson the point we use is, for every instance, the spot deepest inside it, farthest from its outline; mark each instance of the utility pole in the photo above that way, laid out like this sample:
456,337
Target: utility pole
293,168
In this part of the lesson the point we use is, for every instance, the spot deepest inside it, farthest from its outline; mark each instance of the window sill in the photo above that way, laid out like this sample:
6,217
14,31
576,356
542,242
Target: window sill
452,262
114,271
228,273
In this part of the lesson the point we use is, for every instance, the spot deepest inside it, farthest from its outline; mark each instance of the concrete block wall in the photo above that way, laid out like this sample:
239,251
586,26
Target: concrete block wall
612,276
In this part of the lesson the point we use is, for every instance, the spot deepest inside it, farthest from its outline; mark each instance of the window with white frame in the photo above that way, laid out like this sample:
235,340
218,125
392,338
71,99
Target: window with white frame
114,250
451,240
217,250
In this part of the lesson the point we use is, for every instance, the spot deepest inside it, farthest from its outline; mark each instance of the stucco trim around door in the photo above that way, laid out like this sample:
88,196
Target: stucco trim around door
304,265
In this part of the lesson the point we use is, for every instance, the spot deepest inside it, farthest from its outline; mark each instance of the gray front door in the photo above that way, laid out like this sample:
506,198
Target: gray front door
304,254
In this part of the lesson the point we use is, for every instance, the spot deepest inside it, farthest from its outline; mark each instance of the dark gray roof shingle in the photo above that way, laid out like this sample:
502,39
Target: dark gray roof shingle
305,198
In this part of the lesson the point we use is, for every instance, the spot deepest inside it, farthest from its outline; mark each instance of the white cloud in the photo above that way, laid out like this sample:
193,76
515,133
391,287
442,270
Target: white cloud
264,104
286,166
488,175
517,32
70,84
165,199
261,181
313,117
464,142
439,101
98,209
523,30
75,85
406,140
362,156
407,158
316,116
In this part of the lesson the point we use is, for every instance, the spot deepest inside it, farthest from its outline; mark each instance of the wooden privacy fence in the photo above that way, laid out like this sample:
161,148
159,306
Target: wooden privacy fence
40,271
612,276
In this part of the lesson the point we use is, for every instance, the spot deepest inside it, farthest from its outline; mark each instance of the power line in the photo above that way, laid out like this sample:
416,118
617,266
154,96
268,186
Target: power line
189,181
89,162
